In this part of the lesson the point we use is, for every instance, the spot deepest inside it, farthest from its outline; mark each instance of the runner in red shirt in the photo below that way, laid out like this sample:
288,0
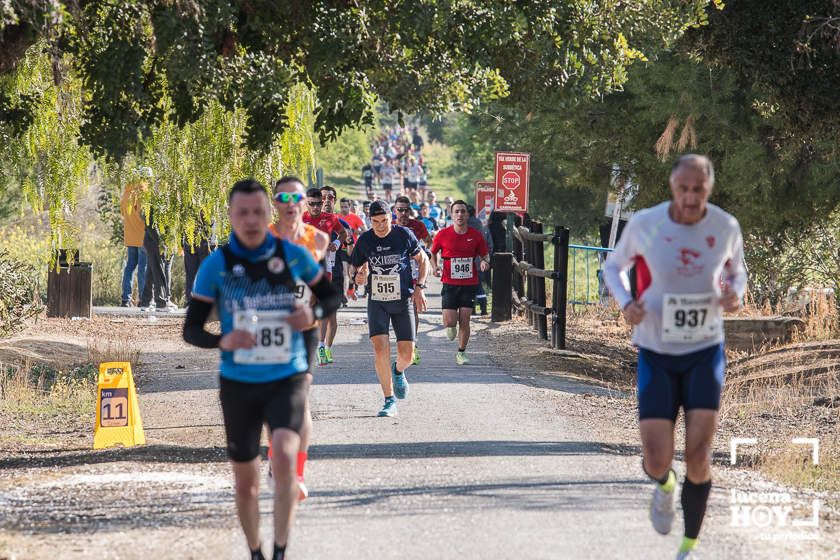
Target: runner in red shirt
459,245
329,223
402,208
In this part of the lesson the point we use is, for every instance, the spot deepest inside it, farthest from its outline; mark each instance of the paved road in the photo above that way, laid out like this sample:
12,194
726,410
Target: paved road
475,466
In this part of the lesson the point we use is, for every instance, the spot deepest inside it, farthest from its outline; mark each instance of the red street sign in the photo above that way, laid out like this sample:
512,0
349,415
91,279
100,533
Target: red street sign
511,189
484,194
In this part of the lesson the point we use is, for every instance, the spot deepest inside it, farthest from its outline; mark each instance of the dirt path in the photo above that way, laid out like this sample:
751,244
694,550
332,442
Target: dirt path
496,459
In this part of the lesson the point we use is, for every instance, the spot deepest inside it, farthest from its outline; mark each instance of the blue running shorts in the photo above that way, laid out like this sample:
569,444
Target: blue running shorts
667,382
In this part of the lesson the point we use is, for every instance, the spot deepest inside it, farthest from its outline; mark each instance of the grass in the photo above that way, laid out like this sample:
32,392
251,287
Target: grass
37,400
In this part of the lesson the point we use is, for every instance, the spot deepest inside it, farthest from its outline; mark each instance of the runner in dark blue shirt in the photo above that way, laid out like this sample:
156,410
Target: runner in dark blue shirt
382,261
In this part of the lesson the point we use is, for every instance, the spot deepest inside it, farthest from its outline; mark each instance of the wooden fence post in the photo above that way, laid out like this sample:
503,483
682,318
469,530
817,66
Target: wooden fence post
540,321
502,265
558,297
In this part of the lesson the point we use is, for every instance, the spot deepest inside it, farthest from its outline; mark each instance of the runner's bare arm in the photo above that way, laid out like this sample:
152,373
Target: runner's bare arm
423,266
322,241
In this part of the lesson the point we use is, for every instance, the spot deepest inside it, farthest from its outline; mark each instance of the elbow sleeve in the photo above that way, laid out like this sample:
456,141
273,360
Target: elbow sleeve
194,332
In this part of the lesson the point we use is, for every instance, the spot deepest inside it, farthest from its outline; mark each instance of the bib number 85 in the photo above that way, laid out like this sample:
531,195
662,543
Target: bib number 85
268,338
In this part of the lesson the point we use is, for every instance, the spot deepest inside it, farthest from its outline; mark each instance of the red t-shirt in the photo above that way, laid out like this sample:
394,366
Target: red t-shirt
355,223
418,228
459,251
325,221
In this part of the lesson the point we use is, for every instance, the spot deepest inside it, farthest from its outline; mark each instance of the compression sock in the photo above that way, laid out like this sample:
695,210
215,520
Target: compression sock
688,545
257,554
301,462
694,498
279,552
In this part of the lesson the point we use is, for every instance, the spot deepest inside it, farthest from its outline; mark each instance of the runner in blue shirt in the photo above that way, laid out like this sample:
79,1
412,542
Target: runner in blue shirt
251,281
382,261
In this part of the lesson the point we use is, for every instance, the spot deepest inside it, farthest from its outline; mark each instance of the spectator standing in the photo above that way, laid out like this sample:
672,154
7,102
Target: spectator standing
134,228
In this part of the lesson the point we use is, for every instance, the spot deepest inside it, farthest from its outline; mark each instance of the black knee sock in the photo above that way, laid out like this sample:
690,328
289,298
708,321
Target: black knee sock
279,552
694,498
257,554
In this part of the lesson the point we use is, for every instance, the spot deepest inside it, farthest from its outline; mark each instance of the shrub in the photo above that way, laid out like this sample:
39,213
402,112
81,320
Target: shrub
19,297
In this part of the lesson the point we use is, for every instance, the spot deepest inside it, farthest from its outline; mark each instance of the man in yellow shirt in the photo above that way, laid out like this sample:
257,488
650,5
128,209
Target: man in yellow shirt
134,228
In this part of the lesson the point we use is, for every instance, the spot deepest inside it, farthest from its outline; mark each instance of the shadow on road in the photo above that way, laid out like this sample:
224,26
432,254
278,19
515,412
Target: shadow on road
489,448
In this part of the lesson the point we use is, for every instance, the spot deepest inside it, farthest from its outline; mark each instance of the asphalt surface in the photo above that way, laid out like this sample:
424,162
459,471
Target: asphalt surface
476,465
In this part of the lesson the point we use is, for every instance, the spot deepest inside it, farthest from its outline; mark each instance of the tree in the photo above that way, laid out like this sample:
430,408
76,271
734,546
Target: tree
437,55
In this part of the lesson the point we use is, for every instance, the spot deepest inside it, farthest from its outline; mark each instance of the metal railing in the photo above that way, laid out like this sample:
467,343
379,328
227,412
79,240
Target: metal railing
590,288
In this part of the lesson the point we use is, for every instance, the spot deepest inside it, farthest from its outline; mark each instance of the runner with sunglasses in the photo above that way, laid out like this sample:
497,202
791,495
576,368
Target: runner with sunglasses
329,223
402,210
288,225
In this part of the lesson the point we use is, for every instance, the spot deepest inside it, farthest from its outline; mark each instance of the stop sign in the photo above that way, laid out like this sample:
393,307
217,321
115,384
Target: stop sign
510,180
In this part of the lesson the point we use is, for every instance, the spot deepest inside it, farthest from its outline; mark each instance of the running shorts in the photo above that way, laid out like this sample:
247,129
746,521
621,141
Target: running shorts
387,186
247,406
398,313
455,297
666,382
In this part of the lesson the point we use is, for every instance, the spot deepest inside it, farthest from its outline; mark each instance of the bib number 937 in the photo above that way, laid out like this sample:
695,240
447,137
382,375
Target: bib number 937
689,318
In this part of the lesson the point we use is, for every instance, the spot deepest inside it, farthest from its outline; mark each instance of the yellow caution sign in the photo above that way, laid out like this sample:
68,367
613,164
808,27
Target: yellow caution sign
117,408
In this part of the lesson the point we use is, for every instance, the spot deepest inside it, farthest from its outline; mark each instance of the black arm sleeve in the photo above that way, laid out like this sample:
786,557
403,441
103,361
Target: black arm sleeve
329,300
194,332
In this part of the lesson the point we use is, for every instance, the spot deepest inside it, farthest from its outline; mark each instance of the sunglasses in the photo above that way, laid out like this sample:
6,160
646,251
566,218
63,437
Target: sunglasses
287,197
400,209
314,203
329,197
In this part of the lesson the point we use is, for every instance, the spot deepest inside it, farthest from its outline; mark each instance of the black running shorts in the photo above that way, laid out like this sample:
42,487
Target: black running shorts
455,297
400,314
247,406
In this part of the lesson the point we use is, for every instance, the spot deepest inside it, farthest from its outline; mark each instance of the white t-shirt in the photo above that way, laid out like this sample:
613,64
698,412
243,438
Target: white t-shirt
388,174
686,265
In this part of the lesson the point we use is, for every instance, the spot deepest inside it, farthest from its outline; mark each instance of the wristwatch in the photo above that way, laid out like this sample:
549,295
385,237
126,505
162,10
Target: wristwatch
421,286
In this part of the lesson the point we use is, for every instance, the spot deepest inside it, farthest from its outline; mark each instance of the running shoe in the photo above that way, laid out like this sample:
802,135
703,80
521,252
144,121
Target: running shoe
451,332
662,510
685,555
461,358
328,353
303,491
400,382
416,358
390,408
322,356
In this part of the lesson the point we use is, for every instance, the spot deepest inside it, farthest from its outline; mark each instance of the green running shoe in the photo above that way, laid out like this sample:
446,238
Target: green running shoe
390,408
451,332
461,358
328,352
322,356
416,358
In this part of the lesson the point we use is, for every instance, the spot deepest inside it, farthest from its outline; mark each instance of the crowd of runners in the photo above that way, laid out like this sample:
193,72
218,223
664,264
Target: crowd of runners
287,270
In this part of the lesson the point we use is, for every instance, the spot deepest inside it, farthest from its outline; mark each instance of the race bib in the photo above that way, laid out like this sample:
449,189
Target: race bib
461,268
690,317
330,260
303,294
274,337
385,287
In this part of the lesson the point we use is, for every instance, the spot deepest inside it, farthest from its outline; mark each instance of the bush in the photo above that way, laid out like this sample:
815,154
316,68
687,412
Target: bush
19,295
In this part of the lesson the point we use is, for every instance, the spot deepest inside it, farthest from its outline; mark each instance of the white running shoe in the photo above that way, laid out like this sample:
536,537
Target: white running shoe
687,555
662,510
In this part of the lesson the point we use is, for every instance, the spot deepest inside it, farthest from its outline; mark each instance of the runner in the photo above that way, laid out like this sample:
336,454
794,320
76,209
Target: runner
388,172
385,252
329,326
251,282
329,224
459,245
367,177
689,269
401,209
288,207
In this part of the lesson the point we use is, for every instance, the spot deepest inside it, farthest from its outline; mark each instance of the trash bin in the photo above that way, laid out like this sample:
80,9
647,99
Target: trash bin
69,288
